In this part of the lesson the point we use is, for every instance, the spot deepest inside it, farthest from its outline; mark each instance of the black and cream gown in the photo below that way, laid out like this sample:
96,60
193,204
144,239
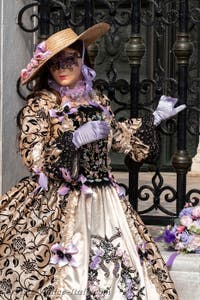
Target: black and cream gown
81,205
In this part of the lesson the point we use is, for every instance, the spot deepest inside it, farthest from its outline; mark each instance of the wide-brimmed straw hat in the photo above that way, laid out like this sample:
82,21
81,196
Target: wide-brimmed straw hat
56,43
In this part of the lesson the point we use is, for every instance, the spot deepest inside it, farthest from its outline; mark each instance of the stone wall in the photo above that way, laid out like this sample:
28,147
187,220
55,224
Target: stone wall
15,51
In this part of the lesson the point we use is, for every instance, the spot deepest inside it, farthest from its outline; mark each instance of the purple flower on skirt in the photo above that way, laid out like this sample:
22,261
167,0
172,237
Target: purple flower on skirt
168,236
129,285
94,265
64,255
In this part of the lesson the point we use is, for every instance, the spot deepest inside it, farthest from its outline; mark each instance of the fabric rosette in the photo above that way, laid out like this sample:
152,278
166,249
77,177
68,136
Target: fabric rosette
64,255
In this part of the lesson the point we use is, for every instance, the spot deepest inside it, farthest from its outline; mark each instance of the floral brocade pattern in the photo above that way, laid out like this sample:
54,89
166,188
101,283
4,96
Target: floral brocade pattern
78,195
30,224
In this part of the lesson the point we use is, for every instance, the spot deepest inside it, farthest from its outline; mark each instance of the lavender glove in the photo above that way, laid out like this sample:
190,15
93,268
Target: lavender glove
166,109
90,132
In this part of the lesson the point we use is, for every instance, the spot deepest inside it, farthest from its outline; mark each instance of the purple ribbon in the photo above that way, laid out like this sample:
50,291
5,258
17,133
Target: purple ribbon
84,188
89,75
42,180
120,191
171,259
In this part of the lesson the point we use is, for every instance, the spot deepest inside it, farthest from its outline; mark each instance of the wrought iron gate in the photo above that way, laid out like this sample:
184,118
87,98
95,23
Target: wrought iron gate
153,48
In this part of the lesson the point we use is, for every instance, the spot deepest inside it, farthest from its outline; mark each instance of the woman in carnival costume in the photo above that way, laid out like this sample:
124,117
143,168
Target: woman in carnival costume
68,231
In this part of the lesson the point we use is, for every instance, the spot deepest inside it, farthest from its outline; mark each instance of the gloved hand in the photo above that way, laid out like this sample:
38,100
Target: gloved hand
166,109
90,132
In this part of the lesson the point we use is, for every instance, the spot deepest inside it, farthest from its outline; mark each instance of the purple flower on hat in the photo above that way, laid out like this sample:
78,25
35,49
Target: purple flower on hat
64,255
41,47
40,52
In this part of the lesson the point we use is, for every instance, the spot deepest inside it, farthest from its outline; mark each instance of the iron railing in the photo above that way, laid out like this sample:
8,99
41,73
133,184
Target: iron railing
153,48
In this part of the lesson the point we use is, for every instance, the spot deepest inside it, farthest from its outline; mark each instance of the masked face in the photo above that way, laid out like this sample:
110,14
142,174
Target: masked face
65,67
64,60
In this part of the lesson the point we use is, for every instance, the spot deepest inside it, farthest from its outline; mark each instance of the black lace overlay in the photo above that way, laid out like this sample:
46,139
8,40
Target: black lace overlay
149,136
68,158
94,162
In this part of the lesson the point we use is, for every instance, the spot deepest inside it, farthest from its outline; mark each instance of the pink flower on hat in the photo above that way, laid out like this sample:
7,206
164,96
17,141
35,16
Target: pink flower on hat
29,67
24,74
40,55
34,62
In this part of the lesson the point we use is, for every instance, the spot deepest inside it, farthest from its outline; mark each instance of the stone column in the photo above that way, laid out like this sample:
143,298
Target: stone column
195,169
15,51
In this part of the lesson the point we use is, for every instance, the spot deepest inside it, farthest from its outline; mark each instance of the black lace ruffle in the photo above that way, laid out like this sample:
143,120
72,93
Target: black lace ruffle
68,159
149,136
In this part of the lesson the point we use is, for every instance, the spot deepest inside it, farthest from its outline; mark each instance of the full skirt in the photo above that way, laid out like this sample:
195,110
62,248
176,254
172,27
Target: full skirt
110,255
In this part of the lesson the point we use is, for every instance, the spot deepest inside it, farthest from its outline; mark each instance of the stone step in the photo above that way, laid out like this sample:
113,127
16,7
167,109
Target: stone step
185,270
185,273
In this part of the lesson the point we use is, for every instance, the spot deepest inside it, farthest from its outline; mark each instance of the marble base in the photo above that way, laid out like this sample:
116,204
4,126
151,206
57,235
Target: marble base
185,273
195,169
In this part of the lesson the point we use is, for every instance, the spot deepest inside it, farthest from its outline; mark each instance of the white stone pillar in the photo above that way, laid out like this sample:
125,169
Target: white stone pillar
15,51
195,169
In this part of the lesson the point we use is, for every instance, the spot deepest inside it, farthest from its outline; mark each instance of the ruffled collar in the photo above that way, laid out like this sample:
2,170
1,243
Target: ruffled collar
79,92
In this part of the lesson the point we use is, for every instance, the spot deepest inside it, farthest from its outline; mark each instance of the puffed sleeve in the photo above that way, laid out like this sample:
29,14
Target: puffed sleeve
137,138
40,149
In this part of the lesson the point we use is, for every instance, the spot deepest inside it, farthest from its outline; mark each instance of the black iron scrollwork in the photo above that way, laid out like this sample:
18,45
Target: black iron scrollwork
112,13
157,192
195,15
160,14
193,196
24,10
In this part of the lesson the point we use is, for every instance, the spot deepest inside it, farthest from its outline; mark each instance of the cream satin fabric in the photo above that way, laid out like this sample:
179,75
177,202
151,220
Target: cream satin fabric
100,213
